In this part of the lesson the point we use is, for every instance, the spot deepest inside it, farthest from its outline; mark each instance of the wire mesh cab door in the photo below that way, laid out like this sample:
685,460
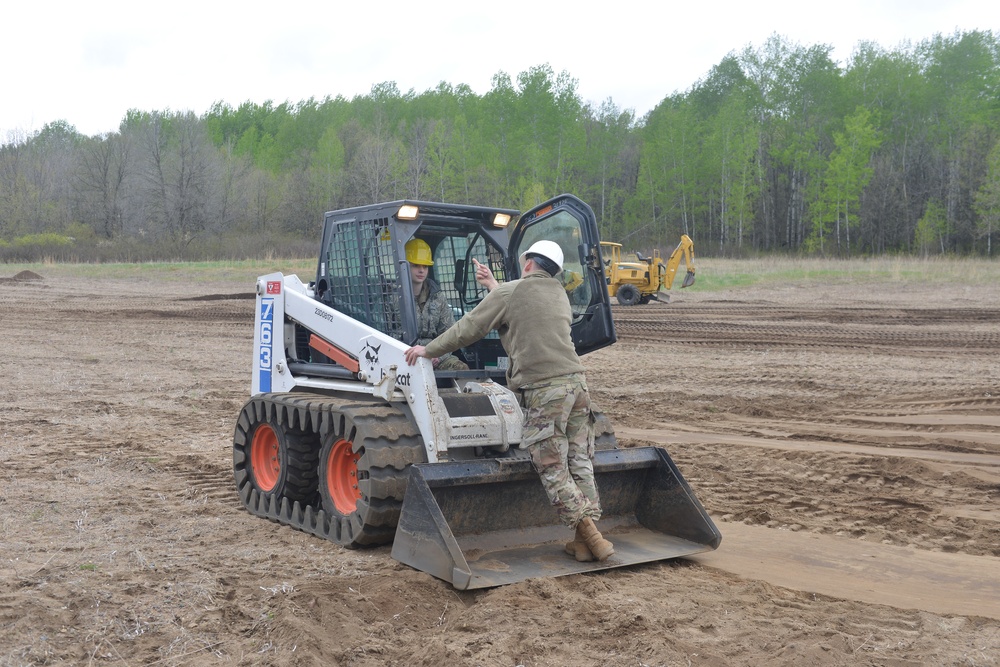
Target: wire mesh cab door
571,223
358,272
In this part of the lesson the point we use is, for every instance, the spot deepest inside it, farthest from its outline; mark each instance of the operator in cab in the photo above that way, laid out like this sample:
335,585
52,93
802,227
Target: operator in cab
434,314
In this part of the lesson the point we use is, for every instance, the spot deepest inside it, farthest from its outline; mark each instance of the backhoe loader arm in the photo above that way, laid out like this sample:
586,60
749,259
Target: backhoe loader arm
685,251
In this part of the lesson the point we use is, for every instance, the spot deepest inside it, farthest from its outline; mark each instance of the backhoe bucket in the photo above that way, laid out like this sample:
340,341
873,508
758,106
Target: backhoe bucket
487,523
688,279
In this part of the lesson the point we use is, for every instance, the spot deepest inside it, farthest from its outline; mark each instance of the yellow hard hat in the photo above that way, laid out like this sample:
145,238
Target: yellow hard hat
418,252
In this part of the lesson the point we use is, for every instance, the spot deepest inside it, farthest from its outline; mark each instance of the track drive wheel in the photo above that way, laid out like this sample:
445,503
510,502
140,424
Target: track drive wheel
340,476
363,468
279,462
628,295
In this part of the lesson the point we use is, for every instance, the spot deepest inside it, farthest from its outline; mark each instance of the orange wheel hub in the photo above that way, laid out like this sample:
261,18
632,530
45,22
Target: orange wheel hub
342,477
264,460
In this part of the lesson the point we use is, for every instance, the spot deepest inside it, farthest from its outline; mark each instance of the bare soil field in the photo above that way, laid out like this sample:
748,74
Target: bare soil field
844,438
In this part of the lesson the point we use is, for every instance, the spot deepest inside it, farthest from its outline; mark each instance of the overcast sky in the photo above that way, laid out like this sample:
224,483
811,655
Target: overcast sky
88,62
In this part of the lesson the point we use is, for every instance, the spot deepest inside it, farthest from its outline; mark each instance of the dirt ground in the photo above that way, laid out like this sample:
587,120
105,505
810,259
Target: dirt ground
845,440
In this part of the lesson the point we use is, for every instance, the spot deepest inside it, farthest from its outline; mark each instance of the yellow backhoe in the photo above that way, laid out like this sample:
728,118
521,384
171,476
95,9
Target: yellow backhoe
650,278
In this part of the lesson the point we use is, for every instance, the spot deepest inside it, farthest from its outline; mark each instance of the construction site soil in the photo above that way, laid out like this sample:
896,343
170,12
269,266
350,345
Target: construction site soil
844,438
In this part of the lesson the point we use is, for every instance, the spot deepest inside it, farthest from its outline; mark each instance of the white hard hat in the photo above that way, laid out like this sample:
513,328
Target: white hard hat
548,249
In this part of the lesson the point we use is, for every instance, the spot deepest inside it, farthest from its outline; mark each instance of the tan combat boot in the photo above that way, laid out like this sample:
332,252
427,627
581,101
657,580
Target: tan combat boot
579,550
587,533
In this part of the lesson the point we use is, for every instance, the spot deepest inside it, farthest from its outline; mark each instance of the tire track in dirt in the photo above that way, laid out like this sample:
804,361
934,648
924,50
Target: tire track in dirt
701,333
124,533
941,583
796,524
813,446
827,450
766,325
853,315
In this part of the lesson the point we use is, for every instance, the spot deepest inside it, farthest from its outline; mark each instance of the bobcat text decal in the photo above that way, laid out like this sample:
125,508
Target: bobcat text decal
401,380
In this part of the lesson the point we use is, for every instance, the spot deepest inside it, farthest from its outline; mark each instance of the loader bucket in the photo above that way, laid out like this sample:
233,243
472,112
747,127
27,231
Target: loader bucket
478,524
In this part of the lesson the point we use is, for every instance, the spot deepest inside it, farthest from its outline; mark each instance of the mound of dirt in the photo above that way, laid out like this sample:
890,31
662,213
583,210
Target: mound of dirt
23,277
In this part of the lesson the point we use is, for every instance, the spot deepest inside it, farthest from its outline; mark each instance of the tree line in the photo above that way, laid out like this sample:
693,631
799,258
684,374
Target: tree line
777,148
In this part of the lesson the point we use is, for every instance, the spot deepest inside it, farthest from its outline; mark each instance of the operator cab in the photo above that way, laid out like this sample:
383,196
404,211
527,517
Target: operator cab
363,271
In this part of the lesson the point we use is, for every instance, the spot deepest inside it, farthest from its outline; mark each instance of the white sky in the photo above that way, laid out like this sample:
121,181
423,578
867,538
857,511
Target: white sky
87,62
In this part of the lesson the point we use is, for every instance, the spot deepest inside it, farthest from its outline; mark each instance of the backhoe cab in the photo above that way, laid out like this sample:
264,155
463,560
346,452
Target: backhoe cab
650,278
342,439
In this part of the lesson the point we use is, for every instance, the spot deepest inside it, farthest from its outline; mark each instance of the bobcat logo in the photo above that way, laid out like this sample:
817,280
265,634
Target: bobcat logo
370,353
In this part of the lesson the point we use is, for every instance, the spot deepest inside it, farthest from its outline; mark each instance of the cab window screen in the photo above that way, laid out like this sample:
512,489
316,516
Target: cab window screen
363,279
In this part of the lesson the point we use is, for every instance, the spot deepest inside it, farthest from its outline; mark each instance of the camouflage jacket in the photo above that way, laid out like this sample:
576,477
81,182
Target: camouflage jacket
533,317
434,315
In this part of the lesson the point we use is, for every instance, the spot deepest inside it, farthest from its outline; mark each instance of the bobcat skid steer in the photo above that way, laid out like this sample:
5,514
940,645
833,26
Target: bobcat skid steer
342,439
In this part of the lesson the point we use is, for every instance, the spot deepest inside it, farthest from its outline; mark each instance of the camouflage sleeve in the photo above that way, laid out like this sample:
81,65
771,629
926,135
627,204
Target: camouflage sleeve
446,318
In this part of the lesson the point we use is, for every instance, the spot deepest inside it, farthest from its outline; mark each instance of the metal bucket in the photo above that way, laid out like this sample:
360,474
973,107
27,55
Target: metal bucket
478,524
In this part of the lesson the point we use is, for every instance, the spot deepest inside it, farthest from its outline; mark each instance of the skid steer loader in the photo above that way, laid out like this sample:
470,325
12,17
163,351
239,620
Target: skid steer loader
342,439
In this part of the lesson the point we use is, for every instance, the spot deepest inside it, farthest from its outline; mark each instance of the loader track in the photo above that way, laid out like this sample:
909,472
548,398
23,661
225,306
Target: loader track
383,437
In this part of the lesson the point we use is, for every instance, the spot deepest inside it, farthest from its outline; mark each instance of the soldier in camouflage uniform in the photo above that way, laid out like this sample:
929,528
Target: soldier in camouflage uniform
434,314
533,317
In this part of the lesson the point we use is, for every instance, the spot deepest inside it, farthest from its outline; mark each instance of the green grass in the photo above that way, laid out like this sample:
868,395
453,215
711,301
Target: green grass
713,274
717,274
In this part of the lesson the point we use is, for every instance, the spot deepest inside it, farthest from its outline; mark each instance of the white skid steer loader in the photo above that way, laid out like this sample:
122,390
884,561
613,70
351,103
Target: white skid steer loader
342,439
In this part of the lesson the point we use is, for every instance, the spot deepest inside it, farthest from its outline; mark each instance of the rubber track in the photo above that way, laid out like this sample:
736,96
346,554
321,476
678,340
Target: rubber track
303,459
382,434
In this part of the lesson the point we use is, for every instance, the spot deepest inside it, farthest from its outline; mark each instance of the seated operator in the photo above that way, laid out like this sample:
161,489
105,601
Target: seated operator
434,315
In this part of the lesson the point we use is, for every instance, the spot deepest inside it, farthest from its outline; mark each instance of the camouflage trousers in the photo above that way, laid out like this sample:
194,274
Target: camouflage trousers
559,434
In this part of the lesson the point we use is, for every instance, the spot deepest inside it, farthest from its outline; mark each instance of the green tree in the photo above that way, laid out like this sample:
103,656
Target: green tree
728,146
931,228
848,173
963,75
607,170
441,165
987,201
498,149
891,84
668,157
326,169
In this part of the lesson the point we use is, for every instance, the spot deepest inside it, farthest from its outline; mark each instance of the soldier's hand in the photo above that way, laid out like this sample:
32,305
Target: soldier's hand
484,276
415,353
